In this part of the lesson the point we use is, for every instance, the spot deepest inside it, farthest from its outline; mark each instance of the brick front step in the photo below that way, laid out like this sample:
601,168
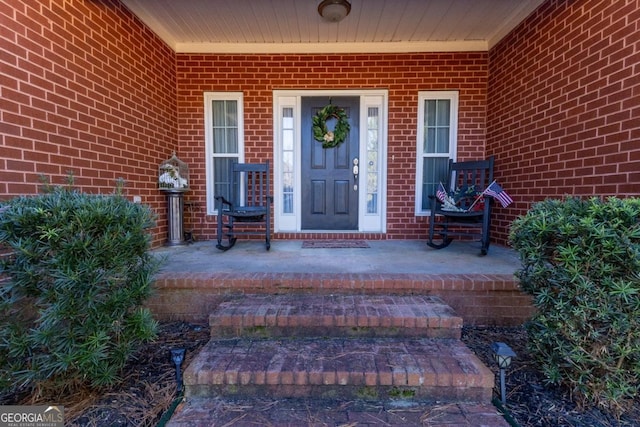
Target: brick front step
481,299
198,412
375,368
338,315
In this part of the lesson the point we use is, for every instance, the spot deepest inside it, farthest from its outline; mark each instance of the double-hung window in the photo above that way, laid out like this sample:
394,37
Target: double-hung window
437,143
224,140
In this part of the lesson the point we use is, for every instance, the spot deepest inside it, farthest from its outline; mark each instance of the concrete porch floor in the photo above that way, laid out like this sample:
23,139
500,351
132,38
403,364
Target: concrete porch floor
381,257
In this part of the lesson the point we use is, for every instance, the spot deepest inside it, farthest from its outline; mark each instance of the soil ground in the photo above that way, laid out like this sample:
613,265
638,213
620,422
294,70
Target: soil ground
148,386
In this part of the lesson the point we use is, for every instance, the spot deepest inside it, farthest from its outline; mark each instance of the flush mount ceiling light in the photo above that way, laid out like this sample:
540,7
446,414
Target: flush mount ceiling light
334,10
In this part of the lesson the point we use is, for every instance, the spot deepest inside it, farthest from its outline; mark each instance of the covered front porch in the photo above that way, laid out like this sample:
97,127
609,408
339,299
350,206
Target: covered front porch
368,316
195,278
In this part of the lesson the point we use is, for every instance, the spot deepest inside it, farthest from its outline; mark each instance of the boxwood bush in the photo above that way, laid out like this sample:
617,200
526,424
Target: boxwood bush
581,263
77,274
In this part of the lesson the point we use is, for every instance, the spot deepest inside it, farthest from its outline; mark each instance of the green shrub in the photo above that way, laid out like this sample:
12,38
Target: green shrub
79,271
581,263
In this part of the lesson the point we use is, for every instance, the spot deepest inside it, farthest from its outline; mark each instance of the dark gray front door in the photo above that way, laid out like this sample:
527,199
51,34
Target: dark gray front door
329,187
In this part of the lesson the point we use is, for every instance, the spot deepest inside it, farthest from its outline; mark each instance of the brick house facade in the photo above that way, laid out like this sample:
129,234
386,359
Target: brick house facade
86,87
564,104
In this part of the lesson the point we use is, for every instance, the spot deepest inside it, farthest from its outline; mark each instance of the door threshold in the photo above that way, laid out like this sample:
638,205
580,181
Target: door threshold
324,235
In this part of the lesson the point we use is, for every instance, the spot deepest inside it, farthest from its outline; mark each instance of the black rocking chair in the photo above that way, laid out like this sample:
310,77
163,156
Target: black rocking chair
471,216
247,205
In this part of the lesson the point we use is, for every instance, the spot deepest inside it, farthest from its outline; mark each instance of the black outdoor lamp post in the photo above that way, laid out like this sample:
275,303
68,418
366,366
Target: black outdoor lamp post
502,354
177,355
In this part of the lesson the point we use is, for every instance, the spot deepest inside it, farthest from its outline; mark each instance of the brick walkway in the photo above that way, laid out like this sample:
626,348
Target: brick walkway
351,413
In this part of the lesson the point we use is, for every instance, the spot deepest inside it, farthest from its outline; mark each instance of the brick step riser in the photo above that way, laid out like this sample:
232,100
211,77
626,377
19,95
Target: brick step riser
480,298
261,332
444,394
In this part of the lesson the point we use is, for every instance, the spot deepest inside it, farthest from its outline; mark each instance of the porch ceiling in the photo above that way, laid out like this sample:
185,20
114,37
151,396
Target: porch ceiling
294,26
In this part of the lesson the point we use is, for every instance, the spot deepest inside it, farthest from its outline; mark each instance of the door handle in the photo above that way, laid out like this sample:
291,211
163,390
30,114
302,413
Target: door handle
355,173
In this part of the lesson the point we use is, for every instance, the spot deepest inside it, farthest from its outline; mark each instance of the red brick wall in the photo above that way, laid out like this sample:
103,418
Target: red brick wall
402,74
85,87
564,104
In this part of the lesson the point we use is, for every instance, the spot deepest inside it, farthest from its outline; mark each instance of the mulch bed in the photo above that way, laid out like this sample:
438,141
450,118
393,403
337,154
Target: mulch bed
148,386
147,389
529,401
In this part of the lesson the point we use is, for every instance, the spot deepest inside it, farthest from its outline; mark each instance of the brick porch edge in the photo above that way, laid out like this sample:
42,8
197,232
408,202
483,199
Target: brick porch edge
481,299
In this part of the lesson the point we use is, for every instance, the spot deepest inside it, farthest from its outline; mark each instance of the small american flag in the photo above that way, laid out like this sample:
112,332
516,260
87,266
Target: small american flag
494,190
441,193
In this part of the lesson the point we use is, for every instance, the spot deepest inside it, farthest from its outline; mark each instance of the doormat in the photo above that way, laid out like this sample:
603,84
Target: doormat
334,244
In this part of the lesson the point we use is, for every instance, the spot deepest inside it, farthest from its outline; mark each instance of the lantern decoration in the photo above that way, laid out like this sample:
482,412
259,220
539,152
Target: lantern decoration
173,175
173,180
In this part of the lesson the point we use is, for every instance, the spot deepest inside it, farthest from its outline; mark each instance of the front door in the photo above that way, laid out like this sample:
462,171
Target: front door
329,180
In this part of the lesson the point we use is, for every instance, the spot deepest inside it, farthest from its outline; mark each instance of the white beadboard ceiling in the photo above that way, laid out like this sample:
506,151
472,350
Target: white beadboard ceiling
294,26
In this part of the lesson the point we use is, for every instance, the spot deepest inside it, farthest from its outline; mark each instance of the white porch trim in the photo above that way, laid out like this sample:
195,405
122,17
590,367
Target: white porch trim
287,161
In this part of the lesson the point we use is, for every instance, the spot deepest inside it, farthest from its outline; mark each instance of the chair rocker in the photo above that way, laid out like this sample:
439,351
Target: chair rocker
467,180
246,208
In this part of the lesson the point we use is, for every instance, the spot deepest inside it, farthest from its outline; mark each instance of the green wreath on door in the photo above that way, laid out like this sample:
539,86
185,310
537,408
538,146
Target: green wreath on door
330,139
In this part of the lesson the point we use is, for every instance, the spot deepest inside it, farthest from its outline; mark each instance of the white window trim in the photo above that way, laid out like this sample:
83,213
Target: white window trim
208,138
453,139
292,99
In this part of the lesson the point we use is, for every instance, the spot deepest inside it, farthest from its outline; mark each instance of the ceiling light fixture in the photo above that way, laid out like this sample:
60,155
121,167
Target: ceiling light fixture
334,10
